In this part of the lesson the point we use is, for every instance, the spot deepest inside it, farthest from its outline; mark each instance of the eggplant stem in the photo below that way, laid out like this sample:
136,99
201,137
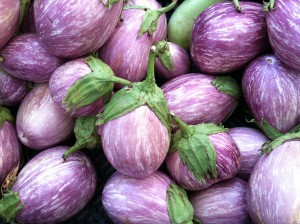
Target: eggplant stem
185,129
167,8
1,59
237,5
150,79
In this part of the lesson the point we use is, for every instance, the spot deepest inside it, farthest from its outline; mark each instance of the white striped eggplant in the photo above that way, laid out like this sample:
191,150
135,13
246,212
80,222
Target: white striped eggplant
26,58
40,123
273,195
225,40
64,28
283,31
127,50
249,142
136,126
201,155
49,190
198,98
224,202
173,61
153,199
10,12
10,147
271,90
12,90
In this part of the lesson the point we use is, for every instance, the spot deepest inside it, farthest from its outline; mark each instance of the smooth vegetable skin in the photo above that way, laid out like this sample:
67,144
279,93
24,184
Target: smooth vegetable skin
40,123
182,20
273,194
284,34
224,202
130,200
72,30
53,191
10,12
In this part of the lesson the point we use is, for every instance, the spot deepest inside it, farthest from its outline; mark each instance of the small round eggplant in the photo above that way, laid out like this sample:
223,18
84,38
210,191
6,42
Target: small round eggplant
40,123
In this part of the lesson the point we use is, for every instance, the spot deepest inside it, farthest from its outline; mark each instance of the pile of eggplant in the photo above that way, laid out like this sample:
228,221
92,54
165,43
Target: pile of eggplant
157,90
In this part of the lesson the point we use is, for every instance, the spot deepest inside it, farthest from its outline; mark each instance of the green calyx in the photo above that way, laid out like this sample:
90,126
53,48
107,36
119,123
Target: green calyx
227,85
180,208
86,135
10,205
164,55
109,3
141,93
270,5
150,20
99,82
196,149
5,115
271,132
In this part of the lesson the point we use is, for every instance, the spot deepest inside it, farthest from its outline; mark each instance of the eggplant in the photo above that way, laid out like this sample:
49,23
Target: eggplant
249,142
50,190
174,61
271,90
198,98
273,195
40,123
10,147
223,202
64,78
12,90
153,199
10,12
283,33
64,28
26,58
201,155
224,40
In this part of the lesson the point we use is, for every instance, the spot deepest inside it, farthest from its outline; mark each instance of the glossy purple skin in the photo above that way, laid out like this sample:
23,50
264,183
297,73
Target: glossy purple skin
271,90
40,122
26,58
224,39
10,12
249,142
273,194
52,190
181,61
224,202
72,30
12,90
125,52
62,80
136,143
284,33
129,200
10,150
228,164
193,99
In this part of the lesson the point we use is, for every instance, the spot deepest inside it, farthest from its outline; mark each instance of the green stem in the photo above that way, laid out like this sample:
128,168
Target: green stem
5,115
119,80
78,146
1,59
185,129
167,8
150,79
237,5
269,5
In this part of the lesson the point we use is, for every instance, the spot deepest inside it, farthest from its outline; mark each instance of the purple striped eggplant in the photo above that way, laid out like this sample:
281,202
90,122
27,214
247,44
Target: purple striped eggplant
198,98
52,191
284,34
64,78
10,12
137,143
131,62
26,58
273,195
225,40
178,64
12,90
153,199
224,202
72,30
201,155
249,142
271,90
40,123
10,147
